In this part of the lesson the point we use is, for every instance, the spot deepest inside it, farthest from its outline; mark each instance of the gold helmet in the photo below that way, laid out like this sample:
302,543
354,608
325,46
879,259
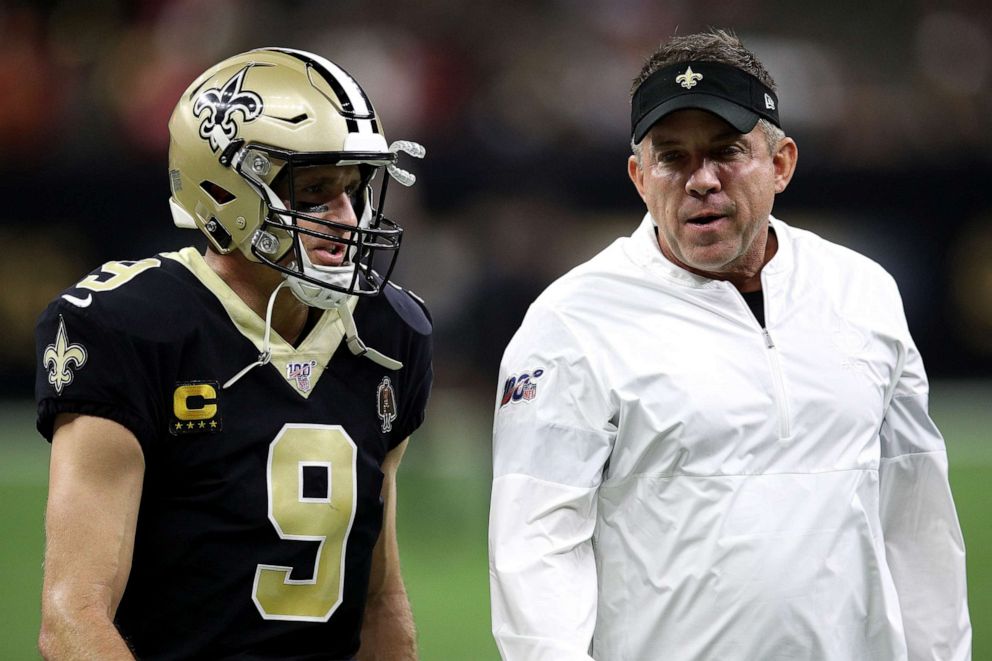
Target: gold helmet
246,124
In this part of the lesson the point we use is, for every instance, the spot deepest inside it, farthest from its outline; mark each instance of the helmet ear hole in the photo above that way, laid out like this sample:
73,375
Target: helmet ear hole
219,194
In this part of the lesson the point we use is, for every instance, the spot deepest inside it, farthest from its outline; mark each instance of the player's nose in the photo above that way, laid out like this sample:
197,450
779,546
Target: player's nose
339,209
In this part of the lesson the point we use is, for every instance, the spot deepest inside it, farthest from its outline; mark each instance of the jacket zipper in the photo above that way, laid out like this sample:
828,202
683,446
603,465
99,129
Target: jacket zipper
784,422
774,364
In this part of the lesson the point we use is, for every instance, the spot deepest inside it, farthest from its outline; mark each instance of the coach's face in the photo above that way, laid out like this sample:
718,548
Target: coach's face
710,189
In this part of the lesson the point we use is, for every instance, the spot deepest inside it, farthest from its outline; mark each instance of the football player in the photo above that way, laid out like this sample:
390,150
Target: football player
226,427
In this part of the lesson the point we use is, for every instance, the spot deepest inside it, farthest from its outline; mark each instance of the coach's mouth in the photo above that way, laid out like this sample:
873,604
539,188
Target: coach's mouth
707,219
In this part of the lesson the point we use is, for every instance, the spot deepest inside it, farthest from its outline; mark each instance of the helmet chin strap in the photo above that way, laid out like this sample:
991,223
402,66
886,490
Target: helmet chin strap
358,348
329,299
316,296
326,298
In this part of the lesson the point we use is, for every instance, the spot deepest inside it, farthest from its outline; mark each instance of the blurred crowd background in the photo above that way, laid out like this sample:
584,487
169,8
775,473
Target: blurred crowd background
524,109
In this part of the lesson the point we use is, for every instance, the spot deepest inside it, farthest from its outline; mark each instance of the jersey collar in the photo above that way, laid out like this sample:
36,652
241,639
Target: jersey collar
314,351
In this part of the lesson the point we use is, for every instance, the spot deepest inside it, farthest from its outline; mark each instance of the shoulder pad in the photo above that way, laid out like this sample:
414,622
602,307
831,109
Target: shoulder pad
410,307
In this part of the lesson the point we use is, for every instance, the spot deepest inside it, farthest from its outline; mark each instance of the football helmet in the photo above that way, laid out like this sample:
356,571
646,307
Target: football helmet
238,135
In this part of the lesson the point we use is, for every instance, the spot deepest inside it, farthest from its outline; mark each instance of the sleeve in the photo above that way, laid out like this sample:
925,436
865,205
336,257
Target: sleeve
418,379
552,437
923,543
85,367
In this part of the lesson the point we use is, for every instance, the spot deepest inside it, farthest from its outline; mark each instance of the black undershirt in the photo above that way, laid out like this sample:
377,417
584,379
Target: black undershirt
313,316
756,301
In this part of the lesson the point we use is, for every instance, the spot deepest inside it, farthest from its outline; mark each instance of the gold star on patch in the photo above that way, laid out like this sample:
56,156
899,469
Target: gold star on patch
213,424
189,425
202,424
179,425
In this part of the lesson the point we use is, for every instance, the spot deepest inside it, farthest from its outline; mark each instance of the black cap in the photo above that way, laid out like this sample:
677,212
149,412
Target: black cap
733,95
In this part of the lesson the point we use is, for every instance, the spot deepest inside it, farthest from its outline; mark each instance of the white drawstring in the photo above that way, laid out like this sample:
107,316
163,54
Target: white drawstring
266,355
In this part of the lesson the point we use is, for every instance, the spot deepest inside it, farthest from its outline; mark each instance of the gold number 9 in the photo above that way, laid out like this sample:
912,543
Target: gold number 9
324,518
120,272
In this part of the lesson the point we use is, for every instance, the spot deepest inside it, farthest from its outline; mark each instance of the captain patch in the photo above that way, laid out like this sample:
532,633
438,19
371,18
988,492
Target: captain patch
195,408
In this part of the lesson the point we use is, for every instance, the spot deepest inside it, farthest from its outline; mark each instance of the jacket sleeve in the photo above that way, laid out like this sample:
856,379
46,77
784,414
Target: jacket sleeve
923,543
551,440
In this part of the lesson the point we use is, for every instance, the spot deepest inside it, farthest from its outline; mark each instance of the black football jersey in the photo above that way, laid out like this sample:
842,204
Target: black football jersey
261,500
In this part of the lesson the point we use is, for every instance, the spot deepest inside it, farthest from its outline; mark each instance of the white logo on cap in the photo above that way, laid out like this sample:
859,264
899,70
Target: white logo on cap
688,79
769,102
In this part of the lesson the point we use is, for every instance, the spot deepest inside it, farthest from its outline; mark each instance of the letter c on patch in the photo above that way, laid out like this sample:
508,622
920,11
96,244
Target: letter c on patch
195,402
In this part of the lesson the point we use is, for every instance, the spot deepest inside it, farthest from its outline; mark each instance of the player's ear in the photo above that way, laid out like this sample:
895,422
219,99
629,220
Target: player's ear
784,160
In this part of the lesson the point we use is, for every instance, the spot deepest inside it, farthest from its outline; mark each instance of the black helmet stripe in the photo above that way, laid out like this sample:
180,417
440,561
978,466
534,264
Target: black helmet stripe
355,102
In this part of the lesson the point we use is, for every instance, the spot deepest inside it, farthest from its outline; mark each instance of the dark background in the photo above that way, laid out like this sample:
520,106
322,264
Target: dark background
523,107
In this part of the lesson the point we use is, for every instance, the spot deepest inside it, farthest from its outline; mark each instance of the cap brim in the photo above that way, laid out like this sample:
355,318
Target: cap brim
740,118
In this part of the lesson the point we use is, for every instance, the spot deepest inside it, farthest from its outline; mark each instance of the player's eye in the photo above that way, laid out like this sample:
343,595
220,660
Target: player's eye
311,208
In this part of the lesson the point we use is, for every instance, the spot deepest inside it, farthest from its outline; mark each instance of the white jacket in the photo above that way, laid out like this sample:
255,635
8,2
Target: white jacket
673,482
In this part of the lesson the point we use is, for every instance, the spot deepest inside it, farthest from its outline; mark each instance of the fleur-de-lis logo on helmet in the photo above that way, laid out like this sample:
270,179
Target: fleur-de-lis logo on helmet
689,78
221,103
60,356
